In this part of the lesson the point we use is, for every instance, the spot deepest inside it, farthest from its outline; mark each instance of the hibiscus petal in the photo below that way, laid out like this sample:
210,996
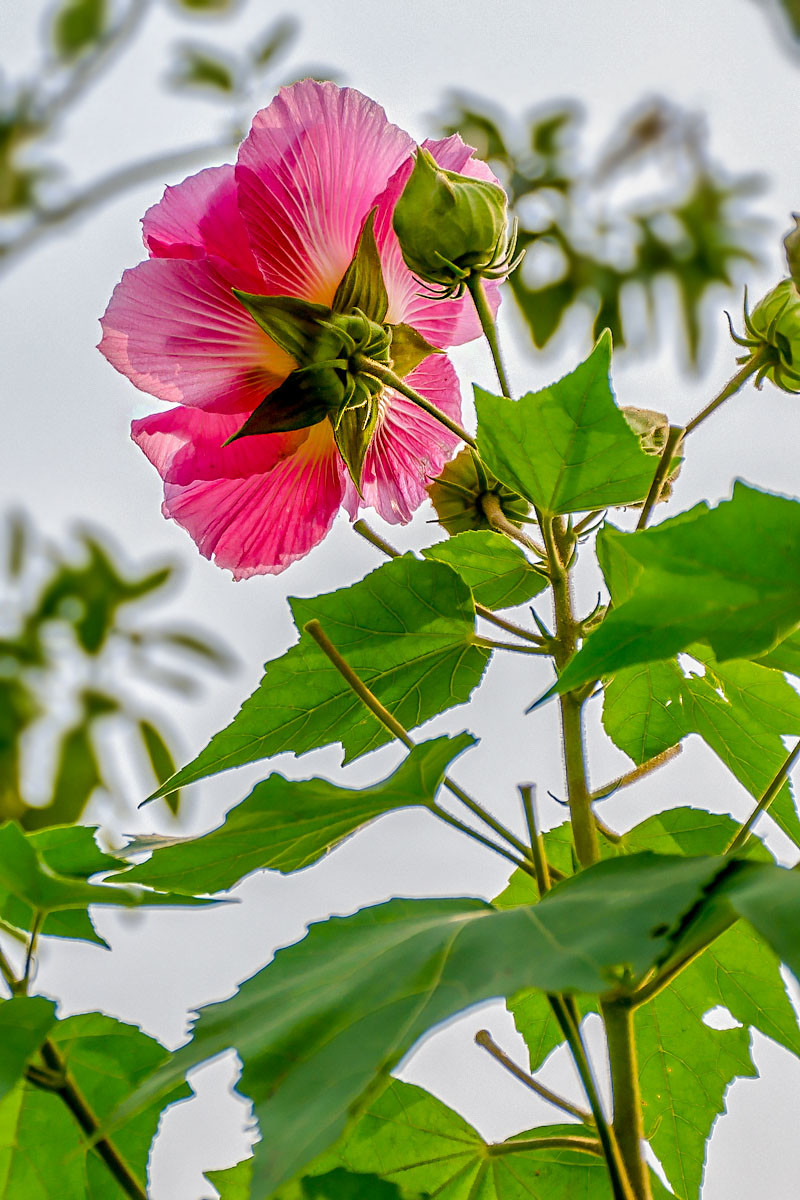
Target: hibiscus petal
410,447
308,174
177,331
443,322
254,506
200,218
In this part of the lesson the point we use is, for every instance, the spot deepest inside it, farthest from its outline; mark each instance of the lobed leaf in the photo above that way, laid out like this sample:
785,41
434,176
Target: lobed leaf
496,570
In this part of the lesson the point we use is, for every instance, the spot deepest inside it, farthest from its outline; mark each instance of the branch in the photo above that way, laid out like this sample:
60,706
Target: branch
484,1038
623,781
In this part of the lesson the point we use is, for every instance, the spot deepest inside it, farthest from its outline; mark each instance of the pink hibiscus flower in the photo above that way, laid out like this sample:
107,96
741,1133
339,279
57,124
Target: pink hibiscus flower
284,221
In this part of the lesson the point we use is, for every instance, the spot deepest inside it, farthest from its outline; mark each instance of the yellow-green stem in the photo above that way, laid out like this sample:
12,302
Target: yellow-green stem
618,1017
478,293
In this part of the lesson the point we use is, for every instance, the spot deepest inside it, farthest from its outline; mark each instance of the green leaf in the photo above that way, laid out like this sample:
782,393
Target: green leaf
740,709
234,1183
406,629
362,284
412,1139
42,1148
643,709
567,448
78,25
785,656
161,759
712,575
496,570
204,67
316,1026
25,1022
285,824
30,888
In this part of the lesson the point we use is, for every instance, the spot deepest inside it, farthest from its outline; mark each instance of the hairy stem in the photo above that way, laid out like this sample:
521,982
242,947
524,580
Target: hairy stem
567,1141
484,1039
540,863
494,514
478,293
618,1018
584,829
389,379
646,768
674,438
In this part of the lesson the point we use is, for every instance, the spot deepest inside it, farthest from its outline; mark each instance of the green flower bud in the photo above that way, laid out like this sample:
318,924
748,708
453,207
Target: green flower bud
451,226
772,336
652,430
457,494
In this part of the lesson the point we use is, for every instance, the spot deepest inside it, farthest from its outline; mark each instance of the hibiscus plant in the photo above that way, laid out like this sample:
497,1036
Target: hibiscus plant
295,311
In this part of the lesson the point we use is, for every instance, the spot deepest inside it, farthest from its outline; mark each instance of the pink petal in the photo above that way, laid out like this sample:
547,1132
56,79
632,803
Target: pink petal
253,508
410,447
443,322
200,218
308,175
177,331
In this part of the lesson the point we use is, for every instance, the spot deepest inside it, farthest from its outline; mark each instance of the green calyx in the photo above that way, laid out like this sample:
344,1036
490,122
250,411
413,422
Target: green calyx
452,227
458,493
333,346
772,336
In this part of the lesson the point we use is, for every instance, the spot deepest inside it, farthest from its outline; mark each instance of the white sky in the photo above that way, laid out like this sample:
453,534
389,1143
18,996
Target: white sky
66,455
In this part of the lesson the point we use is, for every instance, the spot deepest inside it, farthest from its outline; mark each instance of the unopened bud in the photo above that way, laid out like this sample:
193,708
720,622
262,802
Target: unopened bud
458,492
451,226
792,244
772,336
652,429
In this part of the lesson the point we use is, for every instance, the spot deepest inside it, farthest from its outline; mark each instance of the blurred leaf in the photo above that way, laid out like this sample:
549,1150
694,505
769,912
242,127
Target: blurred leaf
207,6
567,448
370,985
214,653
18,535
407,630
792,10
496,570
40,1140
285,824
203,67
277,38
161,760
77,776
78,25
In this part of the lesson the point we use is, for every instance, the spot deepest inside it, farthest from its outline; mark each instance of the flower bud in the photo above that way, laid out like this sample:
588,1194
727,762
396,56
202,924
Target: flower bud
773,336
458,491
652,429
451,226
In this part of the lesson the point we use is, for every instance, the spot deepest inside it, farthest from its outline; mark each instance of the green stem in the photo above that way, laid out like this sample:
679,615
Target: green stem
493,511
623,781
7,971
628,1127
678,433
389,379
478,293
674,438
490,644
484,1038
620,1185
750,368
744,833
369,535
371,701
565,1142
584,830
79,1107
540,863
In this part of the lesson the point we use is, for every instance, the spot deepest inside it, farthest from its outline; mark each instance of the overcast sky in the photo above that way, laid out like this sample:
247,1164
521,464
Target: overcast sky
67,456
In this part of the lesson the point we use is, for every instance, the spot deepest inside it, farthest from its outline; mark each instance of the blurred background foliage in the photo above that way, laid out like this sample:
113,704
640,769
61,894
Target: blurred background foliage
77,634
77,641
